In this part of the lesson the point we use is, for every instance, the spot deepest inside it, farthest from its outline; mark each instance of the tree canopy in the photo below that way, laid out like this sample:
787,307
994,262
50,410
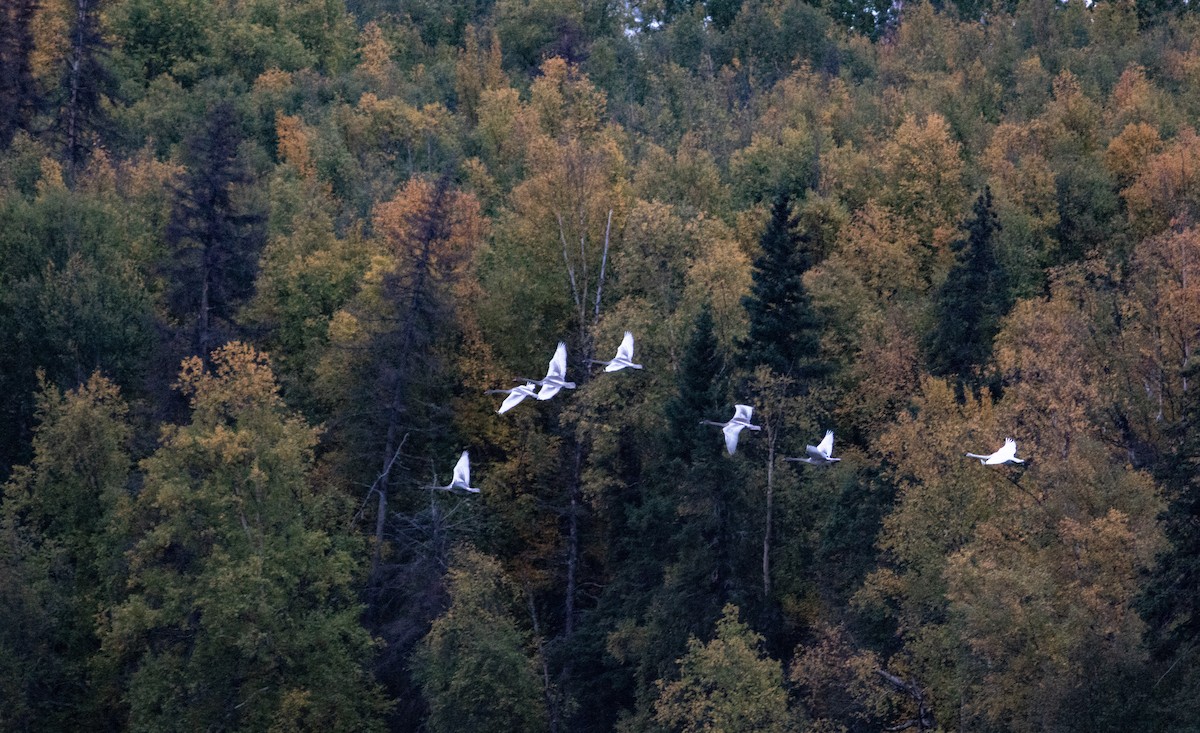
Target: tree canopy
262,260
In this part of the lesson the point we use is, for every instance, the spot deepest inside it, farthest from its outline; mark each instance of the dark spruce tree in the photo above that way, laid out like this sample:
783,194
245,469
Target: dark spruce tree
1170,604
670,575
784,330
681,547
971,303
85,81
709,562
215,235
17,90
703,382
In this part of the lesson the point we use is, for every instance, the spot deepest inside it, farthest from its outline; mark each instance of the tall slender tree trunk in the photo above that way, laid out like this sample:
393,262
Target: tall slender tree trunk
202,336
75,79
579,293
547,691
573,540
766,554
381,484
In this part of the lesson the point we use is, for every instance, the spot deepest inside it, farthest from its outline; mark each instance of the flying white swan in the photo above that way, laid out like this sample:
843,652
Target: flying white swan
515,395
462,477
741,419
624,357
1007,455
556,375
821,455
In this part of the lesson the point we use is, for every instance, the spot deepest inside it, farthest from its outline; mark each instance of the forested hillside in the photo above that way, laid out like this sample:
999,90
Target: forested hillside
260,260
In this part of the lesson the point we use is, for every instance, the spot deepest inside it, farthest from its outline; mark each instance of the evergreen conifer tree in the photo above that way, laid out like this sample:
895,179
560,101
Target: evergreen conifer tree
84,82
972,301
703,383
708,564
669,557
17,90
1170,604
784,330
214,234
707,551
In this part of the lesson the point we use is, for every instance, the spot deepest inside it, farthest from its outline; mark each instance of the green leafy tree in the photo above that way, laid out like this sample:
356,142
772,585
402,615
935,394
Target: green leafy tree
922,164
74,299
723,12
533,30
61,519
30,600
773,36
1014,592
726,685
240,611
474,665
307,273
156,37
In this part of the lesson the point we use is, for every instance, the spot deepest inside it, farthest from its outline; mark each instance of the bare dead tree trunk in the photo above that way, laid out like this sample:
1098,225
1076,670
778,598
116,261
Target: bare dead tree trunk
75,79
924,719
396,406
773,396
579,293
603,266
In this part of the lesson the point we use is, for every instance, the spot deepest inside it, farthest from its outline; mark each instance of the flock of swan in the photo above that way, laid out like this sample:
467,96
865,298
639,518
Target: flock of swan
556,380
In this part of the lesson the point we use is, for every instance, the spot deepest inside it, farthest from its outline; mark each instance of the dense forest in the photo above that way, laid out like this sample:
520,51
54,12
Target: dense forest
260,260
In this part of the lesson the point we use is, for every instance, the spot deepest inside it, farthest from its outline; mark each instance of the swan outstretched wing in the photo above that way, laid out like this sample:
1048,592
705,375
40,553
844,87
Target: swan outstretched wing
558,365
625,350
731,436
462,472
514,398
826,446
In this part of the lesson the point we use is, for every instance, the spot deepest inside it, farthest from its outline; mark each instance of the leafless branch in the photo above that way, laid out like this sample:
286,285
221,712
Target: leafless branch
603,264
562,236
382,477
924,719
